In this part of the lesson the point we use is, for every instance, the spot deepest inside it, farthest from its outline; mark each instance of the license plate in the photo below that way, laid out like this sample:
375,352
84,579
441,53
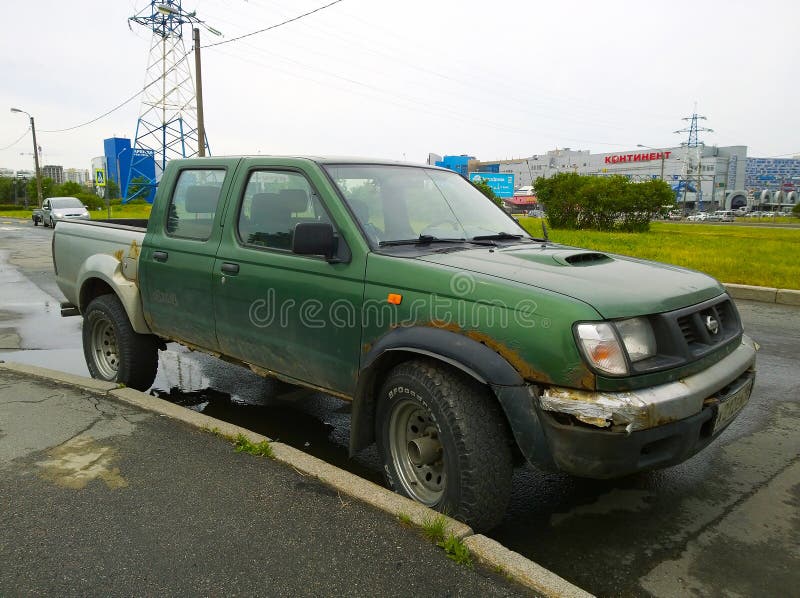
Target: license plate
731,406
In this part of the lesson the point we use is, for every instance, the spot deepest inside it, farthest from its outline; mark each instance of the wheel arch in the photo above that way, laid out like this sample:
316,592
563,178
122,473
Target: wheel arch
102,274
471,357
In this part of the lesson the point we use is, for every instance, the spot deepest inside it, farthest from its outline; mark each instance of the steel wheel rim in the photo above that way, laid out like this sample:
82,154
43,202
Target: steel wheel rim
411,421
104,348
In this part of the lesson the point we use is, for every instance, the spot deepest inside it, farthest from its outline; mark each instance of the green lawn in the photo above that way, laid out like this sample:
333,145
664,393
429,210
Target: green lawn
738,254
125,211
117,211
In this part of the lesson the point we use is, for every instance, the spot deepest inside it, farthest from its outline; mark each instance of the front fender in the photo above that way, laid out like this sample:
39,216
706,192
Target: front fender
109,269
471,357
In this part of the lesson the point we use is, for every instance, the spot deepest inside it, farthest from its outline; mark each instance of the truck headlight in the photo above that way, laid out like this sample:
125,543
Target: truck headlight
638,337
601,347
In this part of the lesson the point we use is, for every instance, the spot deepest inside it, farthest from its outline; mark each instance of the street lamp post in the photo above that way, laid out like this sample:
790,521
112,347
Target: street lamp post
35,157
661,151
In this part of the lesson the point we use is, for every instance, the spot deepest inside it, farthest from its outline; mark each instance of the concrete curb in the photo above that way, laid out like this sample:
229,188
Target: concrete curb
485,550
522,570
763,294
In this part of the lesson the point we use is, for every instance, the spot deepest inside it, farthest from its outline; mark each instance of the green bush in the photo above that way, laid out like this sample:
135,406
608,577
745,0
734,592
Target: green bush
90,200
574,201
11,207
796,210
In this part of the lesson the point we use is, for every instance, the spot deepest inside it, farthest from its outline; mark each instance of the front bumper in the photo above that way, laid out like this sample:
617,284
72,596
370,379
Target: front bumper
606,435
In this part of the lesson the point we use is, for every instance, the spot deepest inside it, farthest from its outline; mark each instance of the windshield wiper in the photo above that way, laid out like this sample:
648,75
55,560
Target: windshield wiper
501,236
428,239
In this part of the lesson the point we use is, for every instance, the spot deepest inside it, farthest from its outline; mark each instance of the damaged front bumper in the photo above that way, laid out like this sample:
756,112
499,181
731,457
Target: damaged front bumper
610,434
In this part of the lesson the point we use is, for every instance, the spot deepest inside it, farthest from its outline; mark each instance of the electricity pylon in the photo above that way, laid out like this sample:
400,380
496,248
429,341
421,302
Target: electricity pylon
692,156
167,124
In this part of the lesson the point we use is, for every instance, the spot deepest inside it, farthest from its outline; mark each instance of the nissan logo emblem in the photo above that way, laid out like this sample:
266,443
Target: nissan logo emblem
712,324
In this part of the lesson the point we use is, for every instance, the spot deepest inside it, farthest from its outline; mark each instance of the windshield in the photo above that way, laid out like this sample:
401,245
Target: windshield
59,203
396,203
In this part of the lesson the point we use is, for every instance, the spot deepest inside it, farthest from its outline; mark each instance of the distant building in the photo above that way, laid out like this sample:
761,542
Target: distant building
718,172
6,172
773,183
457,164
78,175
54,172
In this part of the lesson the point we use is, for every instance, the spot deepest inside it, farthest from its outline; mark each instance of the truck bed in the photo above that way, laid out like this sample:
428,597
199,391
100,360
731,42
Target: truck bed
74,242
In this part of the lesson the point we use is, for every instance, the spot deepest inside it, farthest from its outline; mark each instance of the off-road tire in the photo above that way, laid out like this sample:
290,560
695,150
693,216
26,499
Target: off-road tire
475,441
106,328
35,222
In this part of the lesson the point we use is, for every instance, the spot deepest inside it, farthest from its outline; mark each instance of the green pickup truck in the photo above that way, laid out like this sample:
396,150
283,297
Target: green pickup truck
465,345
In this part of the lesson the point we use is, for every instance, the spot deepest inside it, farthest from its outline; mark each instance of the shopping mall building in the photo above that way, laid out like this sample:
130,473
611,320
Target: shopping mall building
704,178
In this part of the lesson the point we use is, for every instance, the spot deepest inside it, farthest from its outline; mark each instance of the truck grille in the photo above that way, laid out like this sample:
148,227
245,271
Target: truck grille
687,334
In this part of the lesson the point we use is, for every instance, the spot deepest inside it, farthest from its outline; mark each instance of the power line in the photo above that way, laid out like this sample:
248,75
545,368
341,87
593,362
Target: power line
138,93
114,109
88,122
297,18
13,143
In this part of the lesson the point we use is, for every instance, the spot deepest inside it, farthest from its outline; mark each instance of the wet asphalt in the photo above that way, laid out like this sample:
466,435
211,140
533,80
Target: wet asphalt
726,522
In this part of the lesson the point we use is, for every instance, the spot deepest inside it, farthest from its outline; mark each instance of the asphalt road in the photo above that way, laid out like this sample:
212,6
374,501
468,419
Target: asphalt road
99,498
726,522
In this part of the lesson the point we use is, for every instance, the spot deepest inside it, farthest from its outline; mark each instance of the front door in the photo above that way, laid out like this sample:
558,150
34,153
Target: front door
291,314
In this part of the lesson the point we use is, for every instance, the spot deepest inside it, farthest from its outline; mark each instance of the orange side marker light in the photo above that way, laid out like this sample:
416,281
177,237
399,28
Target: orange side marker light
394,298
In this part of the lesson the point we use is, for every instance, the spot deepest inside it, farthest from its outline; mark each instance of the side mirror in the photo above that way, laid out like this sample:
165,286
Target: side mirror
45,207
314,238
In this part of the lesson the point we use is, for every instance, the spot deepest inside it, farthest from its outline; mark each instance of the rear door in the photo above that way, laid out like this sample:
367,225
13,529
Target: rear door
296,315
178,252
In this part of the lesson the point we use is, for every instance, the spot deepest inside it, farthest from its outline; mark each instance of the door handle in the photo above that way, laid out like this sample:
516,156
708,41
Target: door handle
160,256
229,268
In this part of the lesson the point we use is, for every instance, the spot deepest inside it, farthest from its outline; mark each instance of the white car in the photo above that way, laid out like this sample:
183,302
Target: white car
700,217
63,208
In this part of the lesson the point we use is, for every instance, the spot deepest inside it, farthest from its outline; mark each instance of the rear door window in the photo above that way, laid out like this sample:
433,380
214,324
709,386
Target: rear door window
194,202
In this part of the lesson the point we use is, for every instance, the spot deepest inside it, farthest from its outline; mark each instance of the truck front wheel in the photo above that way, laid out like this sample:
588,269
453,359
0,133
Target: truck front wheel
112,349
444,442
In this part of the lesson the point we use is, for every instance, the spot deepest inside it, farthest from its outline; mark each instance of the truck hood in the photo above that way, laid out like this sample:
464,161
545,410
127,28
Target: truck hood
614,285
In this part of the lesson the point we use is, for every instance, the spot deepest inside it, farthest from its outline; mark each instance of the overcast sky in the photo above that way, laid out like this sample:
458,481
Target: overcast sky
397,80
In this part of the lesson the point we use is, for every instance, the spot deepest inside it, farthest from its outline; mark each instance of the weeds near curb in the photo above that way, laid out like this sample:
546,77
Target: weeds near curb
433,529
242,444
405,519
456,550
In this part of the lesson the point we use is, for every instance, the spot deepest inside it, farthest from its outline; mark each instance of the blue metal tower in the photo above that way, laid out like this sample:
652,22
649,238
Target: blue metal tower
167,124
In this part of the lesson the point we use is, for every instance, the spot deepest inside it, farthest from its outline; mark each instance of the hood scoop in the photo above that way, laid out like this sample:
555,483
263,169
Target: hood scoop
583,258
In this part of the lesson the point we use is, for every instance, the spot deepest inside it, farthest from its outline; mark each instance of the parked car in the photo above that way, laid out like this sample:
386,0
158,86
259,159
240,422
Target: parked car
56,209
536,213
721,216
698,217
461,341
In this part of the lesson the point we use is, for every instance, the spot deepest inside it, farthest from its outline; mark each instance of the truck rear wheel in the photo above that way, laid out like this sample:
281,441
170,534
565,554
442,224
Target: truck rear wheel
112,349
444,442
